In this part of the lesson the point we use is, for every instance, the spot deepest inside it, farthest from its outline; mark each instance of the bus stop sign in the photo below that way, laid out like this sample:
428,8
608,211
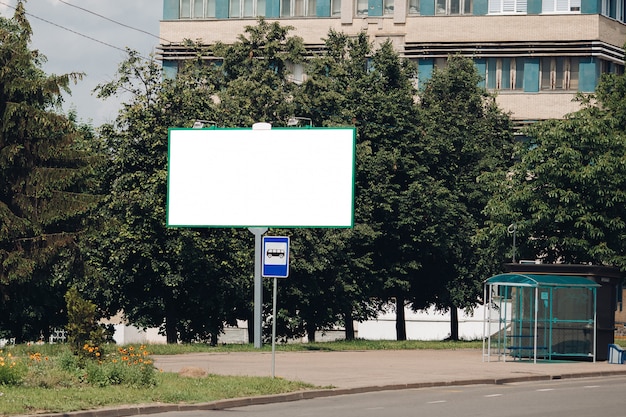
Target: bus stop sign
275,257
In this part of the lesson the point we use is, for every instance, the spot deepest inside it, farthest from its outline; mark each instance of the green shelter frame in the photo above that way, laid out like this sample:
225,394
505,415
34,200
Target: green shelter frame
531,316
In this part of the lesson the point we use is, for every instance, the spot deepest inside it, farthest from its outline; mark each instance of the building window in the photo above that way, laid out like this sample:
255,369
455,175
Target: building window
361,7
414,6
507,6
246,8
440,63
559,73
453,7
615,9
388,7
296,8
556,74
505,74
295,73
336,7
197,9
608,67
560,6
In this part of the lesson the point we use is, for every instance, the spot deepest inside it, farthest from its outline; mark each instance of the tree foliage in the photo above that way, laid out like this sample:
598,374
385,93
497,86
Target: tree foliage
422,158
180,279
566,192
467,135
349,84
45,178
255,86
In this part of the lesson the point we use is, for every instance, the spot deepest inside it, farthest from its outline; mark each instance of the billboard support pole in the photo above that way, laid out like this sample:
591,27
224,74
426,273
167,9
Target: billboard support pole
258,281
258,285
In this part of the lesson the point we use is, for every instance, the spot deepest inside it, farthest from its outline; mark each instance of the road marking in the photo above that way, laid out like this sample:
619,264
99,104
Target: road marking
493,395
437,402
545,389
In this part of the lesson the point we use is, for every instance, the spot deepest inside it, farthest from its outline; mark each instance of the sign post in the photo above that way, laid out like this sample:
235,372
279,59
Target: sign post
275,265
258,286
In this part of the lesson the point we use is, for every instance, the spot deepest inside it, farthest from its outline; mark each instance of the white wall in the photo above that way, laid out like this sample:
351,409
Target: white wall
423,325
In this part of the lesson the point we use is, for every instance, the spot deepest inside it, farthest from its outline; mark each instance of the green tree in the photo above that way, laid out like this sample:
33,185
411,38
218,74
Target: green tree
44,181
174,278
466,136
567,189
350,84
255,85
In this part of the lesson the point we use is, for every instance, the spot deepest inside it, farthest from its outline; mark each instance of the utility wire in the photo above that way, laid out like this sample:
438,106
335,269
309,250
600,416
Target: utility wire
115,21
73,31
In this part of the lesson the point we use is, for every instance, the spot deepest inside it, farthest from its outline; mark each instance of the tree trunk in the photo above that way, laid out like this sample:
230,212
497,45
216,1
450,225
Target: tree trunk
400,319
310,333
349,324
454,323
171,334
18,333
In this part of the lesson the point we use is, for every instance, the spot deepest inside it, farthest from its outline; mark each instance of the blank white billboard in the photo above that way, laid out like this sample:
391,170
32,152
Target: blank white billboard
293,177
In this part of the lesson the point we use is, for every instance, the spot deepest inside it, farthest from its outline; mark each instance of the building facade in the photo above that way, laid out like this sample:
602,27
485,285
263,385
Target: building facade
535,54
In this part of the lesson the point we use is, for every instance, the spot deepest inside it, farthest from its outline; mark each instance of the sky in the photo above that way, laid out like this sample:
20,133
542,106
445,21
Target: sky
73,40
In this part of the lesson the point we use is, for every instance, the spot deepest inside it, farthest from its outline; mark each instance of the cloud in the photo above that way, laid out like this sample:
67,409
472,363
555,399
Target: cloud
75,40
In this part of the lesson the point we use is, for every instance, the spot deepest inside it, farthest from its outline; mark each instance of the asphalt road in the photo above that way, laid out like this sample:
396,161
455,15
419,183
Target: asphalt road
583,397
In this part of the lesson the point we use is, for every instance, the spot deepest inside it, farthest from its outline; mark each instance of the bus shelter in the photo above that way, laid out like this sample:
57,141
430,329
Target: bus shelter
536,316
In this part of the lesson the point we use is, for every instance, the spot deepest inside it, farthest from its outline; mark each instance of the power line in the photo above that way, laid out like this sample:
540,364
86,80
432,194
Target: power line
73,31
114,21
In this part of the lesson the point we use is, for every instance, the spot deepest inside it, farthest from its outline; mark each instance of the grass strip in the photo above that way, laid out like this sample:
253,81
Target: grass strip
171,388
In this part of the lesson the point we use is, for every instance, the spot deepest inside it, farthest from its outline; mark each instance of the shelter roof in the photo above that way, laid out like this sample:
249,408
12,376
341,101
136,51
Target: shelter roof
541,280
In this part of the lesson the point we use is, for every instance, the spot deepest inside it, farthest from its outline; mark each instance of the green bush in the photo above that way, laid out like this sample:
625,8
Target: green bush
120,373
82,327
130,366
12,370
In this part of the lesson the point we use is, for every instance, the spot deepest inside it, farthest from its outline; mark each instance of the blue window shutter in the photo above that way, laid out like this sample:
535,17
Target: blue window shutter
587,75
424,71
375,7
505,83
481,7
533,7
323,8
170,69
272,8
221,9
427,7
171,9
481,67
531,75
590,6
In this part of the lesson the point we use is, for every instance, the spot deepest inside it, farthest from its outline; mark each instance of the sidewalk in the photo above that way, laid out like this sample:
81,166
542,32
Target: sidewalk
384,369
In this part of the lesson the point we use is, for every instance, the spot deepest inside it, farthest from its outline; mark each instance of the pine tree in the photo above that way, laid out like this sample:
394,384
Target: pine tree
43,174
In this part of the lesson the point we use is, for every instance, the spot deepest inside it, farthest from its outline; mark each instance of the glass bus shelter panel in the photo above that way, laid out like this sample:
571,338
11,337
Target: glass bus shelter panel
522,330
572,321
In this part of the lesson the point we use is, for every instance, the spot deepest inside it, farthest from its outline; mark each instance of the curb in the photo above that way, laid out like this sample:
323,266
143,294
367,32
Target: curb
145,409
